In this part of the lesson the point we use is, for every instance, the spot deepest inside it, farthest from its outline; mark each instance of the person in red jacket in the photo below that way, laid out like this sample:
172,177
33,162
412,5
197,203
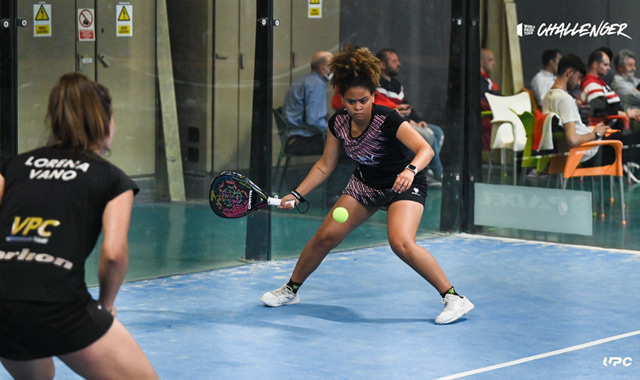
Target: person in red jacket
391,93
602,100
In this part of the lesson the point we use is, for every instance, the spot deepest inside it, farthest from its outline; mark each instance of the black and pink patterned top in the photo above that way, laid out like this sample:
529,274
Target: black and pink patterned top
379,154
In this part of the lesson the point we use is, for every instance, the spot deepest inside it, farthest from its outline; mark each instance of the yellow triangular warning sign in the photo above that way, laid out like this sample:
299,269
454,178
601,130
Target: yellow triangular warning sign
124,15
42,14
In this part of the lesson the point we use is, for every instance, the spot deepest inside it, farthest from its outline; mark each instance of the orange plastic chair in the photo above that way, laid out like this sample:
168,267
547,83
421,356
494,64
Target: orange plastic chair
567,162
604,119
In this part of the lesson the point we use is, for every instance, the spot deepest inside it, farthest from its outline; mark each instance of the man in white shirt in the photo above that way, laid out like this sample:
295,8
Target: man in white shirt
543,80
571,69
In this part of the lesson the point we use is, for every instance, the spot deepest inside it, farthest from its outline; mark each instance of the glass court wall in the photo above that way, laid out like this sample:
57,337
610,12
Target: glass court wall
531,204
423,72
196,83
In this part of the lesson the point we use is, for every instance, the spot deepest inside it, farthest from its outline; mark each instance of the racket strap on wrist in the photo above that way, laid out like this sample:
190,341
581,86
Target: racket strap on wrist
298,196
300,199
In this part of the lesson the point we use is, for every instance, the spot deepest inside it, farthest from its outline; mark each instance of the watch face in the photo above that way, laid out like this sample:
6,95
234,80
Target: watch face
411,167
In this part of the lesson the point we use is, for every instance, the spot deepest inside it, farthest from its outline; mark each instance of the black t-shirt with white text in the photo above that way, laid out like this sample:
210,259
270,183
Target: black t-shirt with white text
50,221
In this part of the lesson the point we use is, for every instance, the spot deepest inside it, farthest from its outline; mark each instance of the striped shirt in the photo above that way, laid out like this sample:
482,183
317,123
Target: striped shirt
379,154
594,87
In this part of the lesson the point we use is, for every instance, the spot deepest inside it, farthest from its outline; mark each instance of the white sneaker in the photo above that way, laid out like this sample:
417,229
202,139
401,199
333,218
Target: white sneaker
454,308
280,297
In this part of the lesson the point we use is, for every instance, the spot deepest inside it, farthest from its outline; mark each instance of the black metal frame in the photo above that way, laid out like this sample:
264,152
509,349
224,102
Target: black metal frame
258,236
8,78
464,166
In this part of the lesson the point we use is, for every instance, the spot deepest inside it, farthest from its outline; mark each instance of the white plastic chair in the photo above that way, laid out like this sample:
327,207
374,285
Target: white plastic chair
507,131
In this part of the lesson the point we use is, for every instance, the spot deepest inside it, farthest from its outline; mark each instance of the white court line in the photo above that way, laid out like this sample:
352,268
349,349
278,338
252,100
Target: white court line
589,247
541,356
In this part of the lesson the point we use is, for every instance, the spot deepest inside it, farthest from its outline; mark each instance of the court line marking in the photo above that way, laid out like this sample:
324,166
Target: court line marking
516,240
540,356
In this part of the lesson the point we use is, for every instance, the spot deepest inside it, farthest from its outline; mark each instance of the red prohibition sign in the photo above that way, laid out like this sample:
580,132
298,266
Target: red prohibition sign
85,18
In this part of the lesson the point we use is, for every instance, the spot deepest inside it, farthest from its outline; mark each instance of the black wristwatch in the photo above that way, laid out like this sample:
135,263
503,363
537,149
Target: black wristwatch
412,168
598,135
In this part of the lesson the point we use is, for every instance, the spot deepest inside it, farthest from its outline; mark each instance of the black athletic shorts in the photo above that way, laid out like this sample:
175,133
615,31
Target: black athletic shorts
33,330
369,196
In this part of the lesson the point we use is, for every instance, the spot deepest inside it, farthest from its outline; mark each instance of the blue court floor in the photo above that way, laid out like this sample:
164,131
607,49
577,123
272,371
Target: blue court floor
543,311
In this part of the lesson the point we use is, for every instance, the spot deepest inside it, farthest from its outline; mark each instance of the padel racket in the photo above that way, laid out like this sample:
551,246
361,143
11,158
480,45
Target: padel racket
232,195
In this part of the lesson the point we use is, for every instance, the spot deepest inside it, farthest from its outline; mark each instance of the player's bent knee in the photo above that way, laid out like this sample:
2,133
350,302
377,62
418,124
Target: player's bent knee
401,247
327,239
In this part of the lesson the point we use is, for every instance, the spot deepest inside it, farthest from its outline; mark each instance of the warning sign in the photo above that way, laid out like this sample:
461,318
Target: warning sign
124,15
42,20
315,8
42,14
124,20
86,26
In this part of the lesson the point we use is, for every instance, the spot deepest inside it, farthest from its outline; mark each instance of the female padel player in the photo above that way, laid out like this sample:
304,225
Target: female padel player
55,200
385,178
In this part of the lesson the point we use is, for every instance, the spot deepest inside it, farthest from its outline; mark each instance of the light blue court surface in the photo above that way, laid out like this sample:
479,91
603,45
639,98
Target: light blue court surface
543,311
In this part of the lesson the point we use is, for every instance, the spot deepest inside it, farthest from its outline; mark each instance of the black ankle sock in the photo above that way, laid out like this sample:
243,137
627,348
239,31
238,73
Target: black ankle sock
450,291
294,286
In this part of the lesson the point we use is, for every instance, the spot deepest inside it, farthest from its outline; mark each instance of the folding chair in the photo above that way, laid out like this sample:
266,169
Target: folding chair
296,141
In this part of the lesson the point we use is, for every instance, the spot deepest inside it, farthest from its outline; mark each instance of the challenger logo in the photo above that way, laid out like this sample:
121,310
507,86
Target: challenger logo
573,29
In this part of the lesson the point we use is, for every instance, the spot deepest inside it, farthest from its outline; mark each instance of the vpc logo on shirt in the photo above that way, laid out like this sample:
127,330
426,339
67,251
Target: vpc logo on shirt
573,29
32,229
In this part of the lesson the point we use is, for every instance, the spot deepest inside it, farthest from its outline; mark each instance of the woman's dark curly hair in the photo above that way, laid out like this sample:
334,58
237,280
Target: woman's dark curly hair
355,68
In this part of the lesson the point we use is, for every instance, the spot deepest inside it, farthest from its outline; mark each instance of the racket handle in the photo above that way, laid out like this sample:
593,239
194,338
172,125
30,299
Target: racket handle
278,201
